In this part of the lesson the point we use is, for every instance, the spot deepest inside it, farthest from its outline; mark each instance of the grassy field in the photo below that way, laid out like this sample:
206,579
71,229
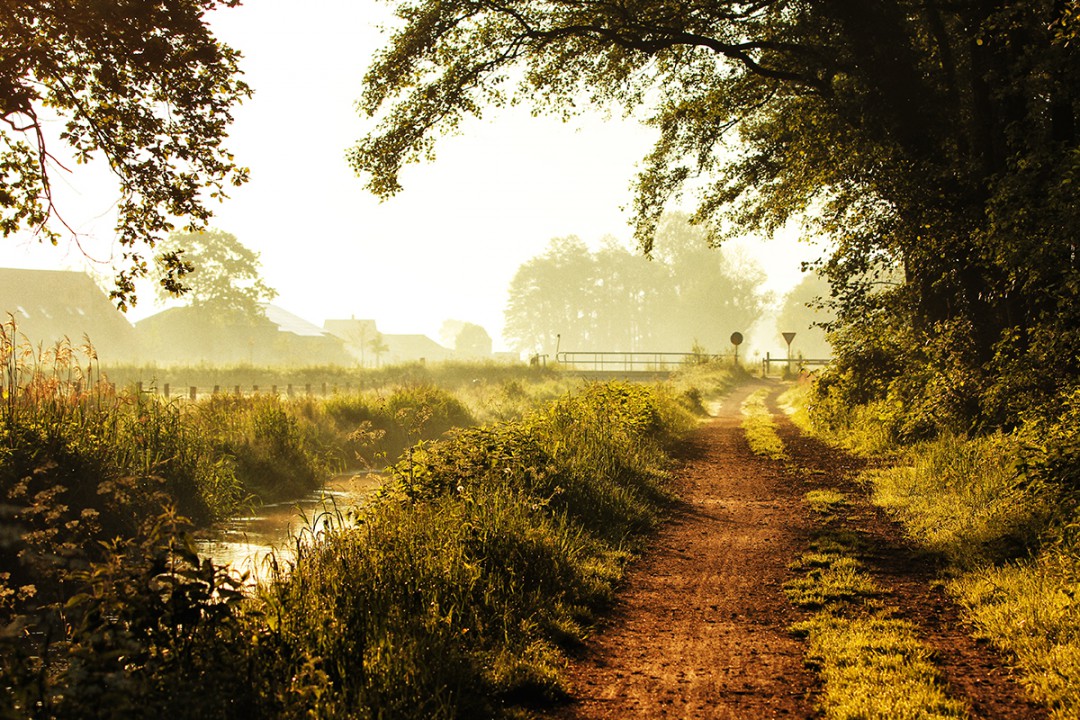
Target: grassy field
510,513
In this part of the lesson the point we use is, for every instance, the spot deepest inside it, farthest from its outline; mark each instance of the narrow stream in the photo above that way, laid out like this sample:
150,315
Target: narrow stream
245,542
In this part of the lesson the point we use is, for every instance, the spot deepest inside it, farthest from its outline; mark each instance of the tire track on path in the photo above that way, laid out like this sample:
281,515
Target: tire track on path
972,670
700,629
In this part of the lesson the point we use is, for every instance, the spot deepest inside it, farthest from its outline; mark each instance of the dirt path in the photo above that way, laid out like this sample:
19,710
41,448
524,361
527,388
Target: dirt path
701,628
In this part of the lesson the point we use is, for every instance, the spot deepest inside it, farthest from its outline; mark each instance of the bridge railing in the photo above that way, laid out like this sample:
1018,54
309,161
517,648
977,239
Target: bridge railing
791,365
632,361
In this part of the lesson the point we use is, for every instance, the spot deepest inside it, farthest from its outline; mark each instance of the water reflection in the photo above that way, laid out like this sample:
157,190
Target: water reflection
245,542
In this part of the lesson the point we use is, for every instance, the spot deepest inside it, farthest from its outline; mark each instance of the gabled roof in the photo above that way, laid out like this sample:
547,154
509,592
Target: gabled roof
404,348
193,335
287,322
49,305
351,330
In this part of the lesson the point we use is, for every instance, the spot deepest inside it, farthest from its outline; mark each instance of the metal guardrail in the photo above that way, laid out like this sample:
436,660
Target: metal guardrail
633,361
654,362
791,364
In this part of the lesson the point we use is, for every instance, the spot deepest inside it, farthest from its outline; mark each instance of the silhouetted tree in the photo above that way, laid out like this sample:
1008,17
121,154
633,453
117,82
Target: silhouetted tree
144,85
616,300
472,341
378,347
805,311
221,274
551,295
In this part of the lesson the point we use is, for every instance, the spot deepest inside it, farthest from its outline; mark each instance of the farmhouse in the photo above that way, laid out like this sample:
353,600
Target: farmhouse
48,306
191,336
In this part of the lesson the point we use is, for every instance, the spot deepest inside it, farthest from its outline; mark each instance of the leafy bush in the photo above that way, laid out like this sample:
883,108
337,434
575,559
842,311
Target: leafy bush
152,631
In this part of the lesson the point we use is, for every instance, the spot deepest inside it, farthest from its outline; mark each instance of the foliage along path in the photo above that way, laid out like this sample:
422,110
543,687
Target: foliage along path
701,629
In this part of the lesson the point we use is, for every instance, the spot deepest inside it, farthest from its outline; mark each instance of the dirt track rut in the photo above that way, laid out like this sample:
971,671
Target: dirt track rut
700,629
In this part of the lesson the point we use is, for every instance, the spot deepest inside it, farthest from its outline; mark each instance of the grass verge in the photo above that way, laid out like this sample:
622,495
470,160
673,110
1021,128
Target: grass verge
1002,510
873,665
456,594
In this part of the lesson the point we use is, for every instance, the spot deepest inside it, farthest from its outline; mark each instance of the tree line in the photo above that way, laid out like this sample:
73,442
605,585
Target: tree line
615,299
934,144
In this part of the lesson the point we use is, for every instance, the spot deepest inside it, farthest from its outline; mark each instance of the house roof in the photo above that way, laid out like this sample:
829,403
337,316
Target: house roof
49,305
287,322
351,330
193,334
414,347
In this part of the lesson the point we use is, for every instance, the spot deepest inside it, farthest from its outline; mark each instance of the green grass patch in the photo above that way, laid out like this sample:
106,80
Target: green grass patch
867,430
872,664
963,498
1031,611
825,503
876,668
759,428
701,386
832,576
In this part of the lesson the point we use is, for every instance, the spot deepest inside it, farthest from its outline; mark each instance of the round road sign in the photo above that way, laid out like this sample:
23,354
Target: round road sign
736,338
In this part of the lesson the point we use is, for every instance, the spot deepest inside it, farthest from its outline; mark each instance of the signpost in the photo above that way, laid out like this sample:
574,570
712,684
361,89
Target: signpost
788,337
736,340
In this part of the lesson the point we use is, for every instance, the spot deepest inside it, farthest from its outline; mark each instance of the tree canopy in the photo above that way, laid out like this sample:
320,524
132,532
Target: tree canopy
221,274
466,338
143,85
933,141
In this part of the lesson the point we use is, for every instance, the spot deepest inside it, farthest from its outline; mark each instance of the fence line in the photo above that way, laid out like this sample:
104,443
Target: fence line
791,365
193,392
634,361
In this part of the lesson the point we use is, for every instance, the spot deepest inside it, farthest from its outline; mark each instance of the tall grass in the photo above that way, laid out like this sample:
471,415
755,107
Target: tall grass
964,499
490,551
87,470
455,594
450,375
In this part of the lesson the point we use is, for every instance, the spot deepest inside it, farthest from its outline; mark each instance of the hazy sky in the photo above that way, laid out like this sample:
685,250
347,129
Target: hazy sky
447,246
